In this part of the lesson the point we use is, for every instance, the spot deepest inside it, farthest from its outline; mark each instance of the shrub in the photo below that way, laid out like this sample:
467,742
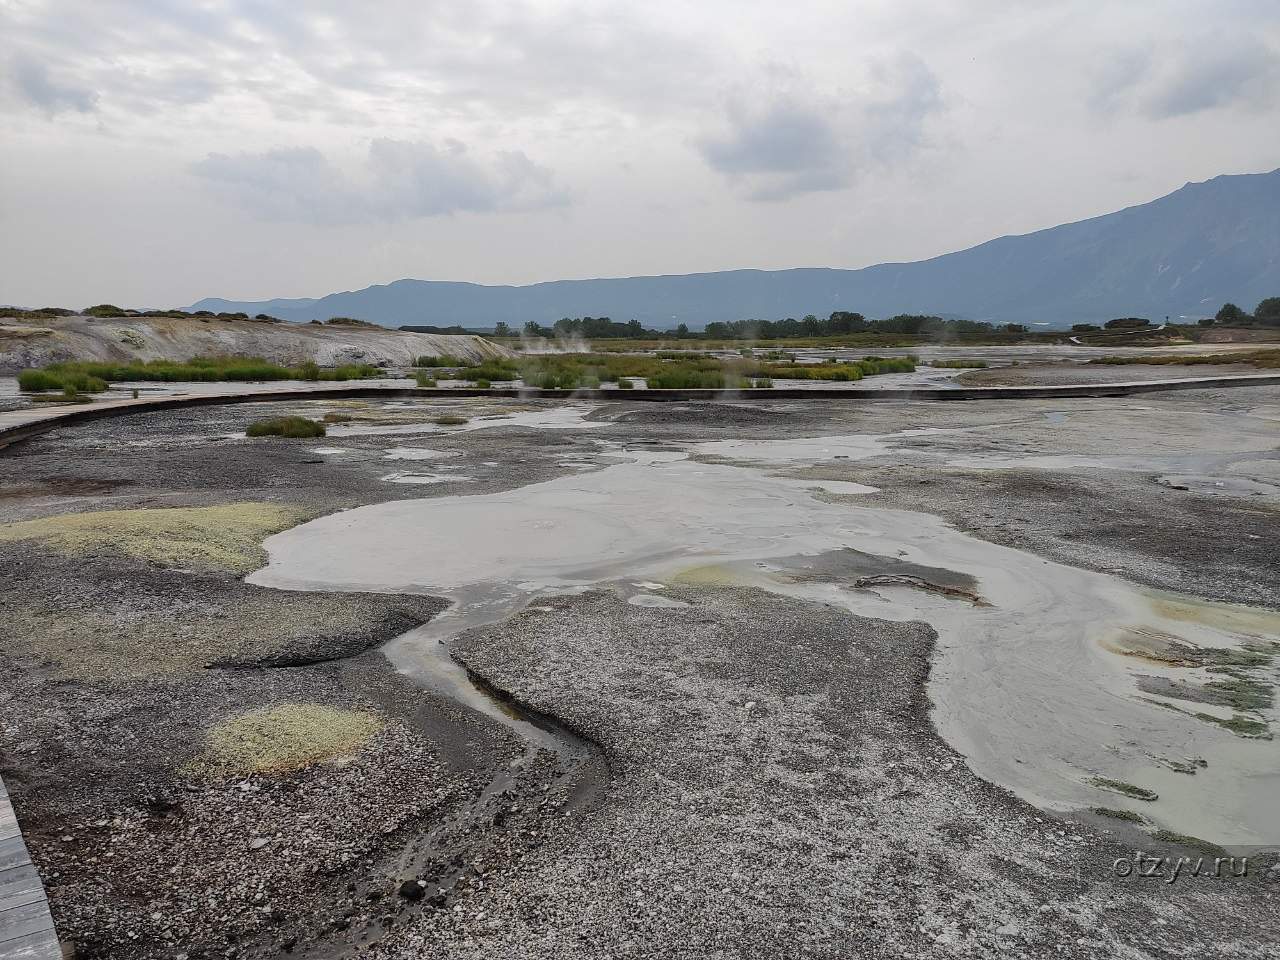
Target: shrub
104,310
763,383
32,381
491,370
424,380
53,378
625,384
483,384
285,427
333,417
200,369
450,420
443,360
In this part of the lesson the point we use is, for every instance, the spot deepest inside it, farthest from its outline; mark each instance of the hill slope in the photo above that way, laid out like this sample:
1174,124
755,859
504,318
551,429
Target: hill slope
1181,255
124,340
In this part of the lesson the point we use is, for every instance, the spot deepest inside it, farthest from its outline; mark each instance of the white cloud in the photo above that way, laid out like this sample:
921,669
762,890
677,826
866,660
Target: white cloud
37,86
791,139
398,180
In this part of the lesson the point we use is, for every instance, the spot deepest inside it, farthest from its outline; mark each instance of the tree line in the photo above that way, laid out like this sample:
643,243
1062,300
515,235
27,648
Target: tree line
839,323
1266,314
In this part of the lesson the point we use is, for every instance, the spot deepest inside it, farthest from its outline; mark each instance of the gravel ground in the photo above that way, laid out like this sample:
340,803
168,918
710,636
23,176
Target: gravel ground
779,791
774,786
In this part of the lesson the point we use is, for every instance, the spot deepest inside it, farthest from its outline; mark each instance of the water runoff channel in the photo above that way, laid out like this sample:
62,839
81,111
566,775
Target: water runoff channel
1043,676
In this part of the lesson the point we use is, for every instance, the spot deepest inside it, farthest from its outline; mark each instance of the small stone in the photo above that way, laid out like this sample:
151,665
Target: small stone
257,843
412,890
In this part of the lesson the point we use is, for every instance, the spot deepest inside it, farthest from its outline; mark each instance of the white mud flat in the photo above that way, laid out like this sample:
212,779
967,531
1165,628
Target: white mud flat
1052,680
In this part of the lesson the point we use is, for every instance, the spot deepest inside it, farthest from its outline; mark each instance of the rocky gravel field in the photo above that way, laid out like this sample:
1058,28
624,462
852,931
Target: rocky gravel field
207,768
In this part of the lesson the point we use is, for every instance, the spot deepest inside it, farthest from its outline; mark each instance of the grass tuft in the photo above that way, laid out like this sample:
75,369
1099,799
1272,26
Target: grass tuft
1114,814
1125,789
285,739
285,427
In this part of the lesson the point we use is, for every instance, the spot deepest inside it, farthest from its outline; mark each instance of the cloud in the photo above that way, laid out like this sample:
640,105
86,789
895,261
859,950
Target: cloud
1215,72
38,87
791,140
1186,75
398,180
330,60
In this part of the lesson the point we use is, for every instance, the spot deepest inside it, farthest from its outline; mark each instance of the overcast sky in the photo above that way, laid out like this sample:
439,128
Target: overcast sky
158,152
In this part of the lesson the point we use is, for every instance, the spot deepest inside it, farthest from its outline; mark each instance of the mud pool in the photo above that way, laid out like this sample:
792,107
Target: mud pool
1045,678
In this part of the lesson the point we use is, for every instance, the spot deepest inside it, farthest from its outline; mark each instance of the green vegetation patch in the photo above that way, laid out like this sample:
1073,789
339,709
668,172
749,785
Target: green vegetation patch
443,360
285,427
1183,840
1124,789
93,376
227,537
1266,359
1242,694
959,364
34,381
285,739
672,370
1240,725
1126,815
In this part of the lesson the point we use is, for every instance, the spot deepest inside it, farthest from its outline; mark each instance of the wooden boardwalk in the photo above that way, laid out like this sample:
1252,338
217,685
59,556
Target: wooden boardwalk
26,928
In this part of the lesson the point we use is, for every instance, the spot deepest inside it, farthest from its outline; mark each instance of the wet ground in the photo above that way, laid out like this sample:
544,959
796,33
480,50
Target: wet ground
861,673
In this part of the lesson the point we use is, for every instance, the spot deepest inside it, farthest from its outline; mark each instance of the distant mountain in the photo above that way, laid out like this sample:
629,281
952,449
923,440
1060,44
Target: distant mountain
1182,255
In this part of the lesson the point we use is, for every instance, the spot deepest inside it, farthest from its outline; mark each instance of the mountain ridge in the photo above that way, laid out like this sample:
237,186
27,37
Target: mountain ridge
1180,255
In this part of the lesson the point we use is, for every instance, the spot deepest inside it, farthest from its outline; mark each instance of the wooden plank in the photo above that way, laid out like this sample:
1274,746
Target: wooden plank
19,886
26,926
34,946
20,921
8,821
13,853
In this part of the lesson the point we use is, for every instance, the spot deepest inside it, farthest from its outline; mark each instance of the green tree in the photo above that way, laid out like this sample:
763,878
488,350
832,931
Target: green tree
682,332
1268,312
500,329
1230,315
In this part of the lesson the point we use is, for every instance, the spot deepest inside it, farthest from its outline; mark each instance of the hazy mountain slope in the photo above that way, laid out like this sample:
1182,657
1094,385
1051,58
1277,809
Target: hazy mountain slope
1183,254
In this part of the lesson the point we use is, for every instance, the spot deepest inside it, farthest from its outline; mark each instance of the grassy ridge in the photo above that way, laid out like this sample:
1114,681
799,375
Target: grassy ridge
93,376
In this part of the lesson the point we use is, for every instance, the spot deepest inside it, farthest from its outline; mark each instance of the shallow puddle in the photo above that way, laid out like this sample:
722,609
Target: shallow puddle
1030,681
